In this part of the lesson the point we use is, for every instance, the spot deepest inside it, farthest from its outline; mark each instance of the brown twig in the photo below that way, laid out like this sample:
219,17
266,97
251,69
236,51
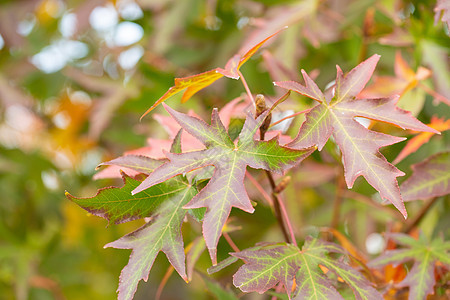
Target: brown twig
285,217
423,211
278,205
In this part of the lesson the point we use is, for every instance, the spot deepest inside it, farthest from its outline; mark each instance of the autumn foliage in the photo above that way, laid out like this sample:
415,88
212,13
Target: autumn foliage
322,174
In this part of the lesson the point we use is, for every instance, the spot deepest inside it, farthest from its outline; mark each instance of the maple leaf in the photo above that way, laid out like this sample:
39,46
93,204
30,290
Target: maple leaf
267,265
187,140
162,233
425,254
335,115
137,163
226,187
403,84
431,178
115,167
117,205
195,83
417,141
162,202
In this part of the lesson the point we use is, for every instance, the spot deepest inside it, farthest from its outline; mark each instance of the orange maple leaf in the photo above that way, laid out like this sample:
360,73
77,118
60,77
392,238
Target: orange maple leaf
195,83
420,139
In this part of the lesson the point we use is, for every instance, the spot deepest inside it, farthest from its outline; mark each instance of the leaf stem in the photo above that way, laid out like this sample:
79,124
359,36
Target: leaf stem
49,284
414,222
247,89
368,201
290,116
286,219
280,100
277,207
230,241
260,189
434,94
164,282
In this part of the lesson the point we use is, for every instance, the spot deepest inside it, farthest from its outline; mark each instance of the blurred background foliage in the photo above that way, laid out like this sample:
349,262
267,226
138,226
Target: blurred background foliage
76,75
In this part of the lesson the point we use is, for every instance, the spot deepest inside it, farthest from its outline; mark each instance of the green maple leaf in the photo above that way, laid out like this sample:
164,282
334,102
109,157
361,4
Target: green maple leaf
267,265
431,178
425,254
335,115
118,205
226,187
162,202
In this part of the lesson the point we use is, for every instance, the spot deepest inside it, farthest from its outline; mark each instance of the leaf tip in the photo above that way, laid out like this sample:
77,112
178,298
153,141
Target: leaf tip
146,113
404,213
373,59
433,130
402,209
168,109
135,191
213,255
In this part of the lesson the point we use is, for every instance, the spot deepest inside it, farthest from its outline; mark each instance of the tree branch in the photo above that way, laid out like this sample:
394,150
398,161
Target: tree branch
423,211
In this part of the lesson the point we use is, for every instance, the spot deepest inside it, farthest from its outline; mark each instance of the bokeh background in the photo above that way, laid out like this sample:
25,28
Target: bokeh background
76,75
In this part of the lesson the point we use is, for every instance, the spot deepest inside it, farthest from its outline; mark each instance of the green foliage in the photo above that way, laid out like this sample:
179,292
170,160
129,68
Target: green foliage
267,265
225,188
420,279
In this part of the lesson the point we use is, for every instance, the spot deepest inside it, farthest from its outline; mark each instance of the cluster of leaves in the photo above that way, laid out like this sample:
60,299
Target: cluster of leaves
71,92
175,185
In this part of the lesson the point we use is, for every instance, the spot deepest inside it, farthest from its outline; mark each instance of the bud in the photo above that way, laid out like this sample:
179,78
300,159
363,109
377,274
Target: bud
260,103
282,185
261,107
